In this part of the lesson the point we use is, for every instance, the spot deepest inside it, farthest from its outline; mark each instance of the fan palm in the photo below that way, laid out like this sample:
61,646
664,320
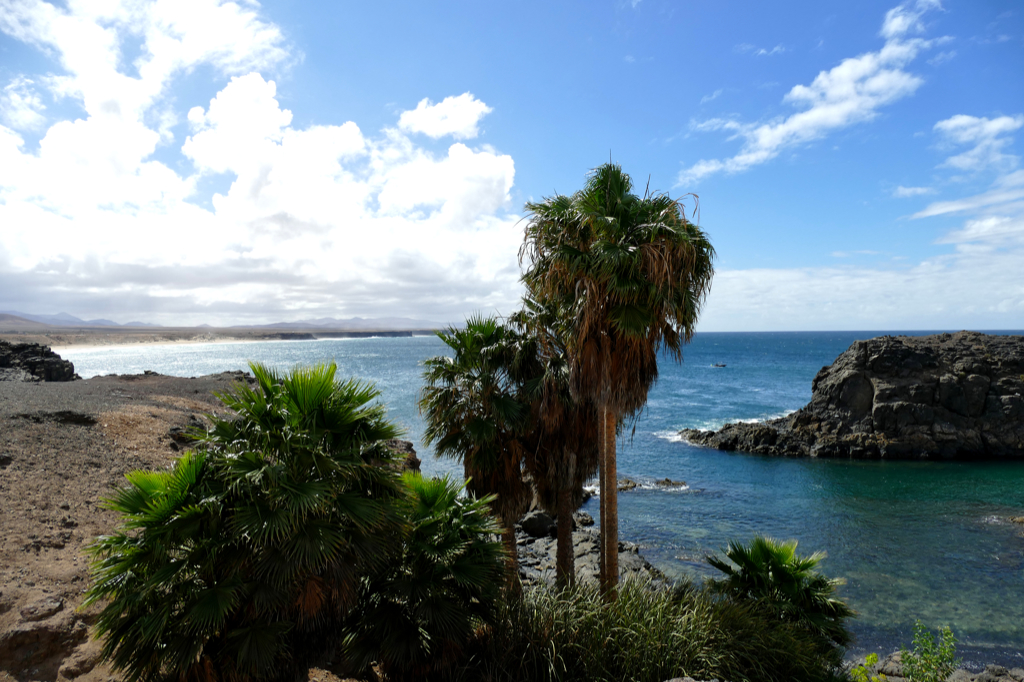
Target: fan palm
562,450
240,562
417,615
632,274
474,414
772,574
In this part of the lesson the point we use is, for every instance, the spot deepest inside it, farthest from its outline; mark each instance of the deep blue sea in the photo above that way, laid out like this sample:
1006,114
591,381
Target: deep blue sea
914,540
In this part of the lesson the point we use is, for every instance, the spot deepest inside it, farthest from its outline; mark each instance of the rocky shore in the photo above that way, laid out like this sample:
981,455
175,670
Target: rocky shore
33,362
535,539
947,396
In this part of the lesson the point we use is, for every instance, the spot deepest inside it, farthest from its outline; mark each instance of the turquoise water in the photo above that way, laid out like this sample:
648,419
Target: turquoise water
924,540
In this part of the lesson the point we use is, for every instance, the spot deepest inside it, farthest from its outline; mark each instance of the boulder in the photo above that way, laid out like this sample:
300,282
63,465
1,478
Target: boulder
33,362
538,524
945,396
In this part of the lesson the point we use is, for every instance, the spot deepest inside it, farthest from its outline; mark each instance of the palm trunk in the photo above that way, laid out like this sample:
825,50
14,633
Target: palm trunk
565,558
514,583
609,509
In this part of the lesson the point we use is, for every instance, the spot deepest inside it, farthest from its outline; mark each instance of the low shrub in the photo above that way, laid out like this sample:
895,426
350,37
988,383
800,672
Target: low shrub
649,633
932,660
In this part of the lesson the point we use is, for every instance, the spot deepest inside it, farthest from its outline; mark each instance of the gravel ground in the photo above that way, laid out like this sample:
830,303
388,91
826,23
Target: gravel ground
63,445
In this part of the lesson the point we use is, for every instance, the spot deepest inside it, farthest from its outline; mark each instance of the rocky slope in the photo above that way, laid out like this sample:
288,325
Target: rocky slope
32,362
942,396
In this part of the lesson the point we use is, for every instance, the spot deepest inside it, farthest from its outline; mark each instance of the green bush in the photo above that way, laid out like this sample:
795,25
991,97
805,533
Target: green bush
771,575
243,560
416,616
647,634
931,660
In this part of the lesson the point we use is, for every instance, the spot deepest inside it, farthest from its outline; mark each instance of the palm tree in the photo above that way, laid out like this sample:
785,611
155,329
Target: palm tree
563,451
632,273
475,415
416,617
774,576
243,560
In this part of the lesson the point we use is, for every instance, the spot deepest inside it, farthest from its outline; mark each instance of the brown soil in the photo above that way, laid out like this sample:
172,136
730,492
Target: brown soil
62,447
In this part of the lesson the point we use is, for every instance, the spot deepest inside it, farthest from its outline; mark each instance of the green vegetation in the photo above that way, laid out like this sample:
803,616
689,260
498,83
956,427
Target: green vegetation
862,672
243,559
771,575
415,617
931,660
474,414
629,275
645,635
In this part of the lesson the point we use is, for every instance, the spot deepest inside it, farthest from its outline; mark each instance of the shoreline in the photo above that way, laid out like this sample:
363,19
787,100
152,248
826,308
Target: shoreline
74,338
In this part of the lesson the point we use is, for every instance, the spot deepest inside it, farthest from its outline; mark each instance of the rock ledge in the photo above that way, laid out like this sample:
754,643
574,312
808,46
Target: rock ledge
951,396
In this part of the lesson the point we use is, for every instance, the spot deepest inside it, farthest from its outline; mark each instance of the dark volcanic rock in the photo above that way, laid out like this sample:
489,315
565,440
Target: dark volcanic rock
32,362
537,558
942,396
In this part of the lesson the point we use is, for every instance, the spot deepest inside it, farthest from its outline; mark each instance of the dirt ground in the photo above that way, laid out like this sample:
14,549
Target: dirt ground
63,445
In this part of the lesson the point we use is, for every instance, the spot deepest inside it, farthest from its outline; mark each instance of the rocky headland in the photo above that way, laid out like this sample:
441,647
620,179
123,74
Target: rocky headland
33,362
945,396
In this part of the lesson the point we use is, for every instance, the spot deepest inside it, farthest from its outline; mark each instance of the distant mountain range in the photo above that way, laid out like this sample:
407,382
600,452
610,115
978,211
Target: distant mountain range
352,323
66,320
11,317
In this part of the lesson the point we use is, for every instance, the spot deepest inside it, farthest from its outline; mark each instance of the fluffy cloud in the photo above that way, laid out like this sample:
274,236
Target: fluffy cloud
455,116
849,93
21,107
107,217
988,136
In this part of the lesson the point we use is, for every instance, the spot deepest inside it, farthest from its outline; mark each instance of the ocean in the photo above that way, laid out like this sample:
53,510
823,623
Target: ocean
914,540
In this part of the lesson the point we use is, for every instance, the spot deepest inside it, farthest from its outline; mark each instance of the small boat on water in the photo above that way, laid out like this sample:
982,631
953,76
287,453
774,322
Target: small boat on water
718,364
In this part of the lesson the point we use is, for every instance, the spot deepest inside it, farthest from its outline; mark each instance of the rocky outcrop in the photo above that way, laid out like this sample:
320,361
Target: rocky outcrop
32,362
943,396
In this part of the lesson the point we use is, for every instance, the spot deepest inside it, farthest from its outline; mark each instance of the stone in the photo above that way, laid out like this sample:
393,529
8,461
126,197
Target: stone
82,660
538,524
33,362
626,484
945,396
669,483
405,449
583,519
42,609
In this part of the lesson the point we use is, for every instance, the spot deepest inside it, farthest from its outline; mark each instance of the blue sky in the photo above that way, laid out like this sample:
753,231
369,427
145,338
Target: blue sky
858,164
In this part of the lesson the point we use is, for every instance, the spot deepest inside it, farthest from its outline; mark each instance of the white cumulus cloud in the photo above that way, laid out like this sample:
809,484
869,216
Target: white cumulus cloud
849,93
455,116
108,216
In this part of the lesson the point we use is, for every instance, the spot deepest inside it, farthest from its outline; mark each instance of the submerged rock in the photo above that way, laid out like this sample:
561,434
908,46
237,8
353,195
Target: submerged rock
941,396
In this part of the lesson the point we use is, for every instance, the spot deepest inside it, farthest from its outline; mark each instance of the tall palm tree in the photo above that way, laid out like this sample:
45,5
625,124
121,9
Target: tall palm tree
474,414
632,273
562,448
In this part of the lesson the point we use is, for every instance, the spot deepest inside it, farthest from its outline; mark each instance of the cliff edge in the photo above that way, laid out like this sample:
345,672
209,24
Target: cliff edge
947,396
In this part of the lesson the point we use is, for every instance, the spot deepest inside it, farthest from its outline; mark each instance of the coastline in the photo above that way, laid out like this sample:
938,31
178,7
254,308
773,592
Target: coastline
62,339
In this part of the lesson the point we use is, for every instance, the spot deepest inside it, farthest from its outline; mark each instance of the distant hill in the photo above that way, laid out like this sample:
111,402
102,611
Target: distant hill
324,323
350,324
66,320
15,323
